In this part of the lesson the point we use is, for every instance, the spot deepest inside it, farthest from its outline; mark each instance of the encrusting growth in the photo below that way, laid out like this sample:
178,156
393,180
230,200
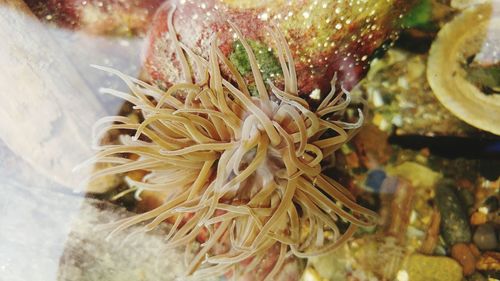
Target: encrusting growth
245,169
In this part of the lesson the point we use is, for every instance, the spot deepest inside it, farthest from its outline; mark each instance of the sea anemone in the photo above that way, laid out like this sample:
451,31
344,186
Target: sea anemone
245,169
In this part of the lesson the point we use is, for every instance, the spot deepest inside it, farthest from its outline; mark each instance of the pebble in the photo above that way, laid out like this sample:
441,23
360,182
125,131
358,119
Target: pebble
478,218
489,261
374,179
476,276
463,254
485,237
454,223
429,268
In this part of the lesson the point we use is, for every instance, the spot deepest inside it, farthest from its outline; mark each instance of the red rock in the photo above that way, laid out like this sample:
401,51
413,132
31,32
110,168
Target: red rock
462,253
112,17
324,37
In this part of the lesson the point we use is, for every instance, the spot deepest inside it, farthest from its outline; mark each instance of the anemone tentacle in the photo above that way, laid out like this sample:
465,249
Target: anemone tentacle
244,169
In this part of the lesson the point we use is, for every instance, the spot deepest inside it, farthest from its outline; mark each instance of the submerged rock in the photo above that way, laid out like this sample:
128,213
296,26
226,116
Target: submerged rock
126,256
109,17
485,237
428,268
134,255
489,261
454,223
324,37
462,253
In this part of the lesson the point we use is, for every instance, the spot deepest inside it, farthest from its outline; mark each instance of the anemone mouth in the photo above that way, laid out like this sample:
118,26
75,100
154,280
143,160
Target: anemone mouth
244,169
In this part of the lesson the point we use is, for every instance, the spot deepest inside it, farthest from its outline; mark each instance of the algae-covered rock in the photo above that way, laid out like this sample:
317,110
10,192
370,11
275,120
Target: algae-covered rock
324,37
429,268
108,17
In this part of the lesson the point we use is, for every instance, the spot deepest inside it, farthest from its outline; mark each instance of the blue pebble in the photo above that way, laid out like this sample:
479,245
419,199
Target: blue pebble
374,179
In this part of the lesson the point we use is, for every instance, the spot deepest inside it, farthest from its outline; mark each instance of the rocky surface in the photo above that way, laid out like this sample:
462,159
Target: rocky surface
324,37
89,256
111,17
49,233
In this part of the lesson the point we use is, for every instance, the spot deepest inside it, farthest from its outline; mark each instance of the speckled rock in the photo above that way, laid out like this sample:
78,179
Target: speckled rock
429,268
111,17
454,224
324,36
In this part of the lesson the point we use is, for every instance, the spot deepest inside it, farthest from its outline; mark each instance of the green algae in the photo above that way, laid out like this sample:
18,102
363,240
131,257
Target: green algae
267,61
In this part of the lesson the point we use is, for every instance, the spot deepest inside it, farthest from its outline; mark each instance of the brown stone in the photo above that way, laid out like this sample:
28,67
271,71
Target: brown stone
463,254
478,218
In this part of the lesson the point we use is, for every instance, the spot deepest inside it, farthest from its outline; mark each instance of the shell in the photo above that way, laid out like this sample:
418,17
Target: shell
459,39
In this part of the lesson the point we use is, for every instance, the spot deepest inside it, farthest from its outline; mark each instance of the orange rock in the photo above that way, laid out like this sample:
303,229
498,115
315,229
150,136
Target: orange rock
137,175
149,201
474,250
352,160
478,218
489,261
463,254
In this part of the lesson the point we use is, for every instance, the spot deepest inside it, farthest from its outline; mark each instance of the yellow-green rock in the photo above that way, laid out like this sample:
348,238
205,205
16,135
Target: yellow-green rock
331,266
429,268
419,175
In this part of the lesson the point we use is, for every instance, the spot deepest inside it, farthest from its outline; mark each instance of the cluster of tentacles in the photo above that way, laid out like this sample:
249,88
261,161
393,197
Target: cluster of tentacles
244,168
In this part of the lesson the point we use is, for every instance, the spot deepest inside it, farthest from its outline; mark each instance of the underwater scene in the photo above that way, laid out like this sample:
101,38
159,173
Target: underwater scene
287,140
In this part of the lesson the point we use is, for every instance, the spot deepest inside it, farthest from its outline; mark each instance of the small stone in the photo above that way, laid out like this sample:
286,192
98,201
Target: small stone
474,250
492,204
429,268
489,261
463,254
485,237
454,223
478,218
374,179
352,160
137,175
419,175
476,276
150,200
330,266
